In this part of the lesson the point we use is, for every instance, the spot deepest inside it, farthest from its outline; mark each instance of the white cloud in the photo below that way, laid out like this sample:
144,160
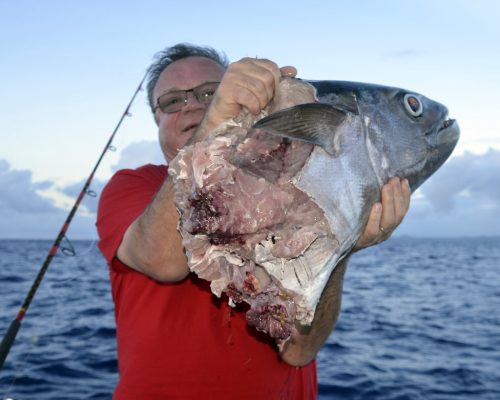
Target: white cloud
26,213
139,153
469,175
90,201
460,199
20,194
132,156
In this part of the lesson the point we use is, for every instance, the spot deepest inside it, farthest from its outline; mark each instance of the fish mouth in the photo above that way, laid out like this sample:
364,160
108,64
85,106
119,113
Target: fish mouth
448,132
447,123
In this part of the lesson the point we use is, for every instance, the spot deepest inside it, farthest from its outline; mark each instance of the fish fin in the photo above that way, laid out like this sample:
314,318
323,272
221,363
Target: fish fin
331,92
313,123
345,101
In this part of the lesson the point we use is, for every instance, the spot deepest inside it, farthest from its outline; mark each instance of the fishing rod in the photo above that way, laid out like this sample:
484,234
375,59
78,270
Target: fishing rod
11,333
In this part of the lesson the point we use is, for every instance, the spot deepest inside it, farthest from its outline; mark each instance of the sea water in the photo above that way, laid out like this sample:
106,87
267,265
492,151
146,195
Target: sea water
420,320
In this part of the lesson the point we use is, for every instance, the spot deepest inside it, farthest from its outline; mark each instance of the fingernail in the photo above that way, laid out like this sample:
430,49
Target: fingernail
378,207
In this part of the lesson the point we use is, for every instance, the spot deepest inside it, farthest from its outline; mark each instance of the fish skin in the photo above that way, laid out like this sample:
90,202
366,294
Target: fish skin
363,136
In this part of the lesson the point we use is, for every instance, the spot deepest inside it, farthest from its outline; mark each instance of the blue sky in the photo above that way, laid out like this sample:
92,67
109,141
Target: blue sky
68,69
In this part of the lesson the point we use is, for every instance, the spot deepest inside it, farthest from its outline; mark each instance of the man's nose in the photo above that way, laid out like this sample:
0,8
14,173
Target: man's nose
192,102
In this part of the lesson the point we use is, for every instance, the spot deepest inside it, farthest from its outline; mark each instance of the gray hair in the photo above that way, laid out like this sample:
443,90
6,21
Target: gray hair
166,57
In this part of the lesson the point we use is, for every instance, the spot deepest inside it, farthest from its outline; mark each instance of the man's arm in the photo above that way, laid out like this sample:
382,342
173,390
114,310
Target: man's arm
306,341
152,244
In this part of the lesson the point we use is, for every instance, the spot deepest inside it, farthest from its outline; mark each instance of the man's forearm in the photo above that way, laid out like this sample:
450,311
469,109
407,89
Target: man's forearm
306,341
152,244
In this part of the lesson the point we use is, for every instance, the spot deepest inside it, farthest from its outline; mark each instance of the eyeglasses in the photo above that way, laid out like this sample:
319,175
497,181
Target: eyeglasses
173,101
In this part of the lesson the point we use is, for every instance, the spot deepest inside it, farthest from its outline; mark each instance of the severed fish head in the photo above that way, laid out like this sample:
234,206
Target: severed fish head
405,133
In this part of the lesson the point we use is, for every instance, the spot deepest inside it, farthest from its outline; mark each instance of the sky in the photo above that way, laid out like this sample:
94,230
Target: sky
69,68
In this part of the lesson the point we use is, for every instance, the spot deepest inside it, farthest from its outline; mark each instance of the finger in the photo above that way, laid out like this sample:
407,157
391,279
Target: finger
372,229
406,194
273,74
259,76
371,233
262,74
402,194
399,201
251,97
288,71
388,219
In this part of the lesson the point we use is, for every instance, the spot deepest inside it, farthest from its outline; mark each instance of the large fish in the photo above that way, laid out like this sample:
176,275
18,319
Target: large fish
268,209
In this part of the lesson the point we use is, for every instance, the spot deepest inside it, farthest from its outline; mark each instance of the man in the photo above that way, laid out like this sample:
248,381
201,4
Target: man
175,339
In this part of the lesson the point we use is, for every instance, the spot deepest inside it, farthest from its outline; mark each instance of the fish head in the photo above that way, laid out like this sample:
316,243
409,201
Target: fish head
407,134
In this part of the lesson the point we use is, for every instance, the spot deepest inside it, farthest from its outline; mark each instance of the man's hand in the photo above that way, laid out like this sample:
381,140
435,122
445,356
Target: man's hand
249,83
386,216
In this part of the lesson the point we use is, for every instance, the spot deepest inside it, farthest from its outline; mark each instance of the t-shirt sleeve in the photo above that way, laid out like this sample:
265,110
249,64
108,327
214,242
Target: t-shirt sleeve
123,199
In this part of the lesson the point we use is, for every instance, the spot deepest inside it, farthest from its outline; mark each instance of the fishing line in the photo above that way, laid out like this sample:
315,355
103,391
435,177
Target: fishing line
73,260
73,255
11,333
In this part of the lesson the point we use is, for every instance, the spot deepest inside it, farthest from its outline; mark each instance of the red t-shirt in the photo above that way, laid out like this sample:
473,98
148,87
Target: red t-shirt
178,340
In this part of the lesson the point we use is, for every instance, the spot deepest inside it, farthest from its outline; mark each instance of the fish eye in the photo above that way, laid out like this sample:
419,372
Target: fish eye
413,105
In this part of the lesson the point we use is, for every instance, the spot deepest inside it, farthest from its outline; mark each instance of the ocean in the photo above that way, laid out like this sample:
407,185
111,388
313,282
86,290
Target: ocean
420,320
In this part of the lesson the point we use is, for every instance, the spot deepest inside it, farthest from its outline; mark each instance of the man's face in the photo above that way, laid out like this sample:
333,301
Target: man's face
175,129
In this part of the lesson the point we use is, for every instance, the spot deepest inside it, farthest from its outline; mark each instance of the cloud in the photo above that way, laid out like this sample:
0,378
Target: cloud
467,177
139,153
132,156
20,194
26,213
90,200
460,199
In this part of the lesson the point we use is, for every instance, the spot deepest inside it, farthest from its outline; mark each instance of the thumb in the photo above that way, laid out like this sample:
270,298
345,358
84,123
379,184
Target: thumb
288,71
